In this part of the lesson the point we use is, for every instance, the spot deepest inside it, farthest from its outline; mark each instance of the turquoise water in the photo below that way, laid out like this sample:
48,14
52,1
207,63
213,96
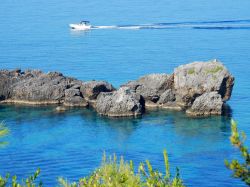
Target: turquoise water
35,35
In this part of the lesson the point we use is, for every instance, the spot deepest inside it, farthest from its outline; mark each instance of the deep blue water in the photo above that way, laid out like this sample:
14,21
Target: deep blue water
35,34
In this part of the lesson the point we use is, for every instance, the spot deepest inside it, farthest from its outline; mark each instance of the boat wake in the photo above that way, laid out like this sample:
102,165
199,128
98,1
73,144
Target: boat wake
228,24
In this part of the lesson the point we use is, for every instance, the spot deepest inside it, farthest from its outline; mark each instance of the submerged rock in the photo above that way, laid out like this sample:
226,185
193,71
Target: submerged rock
194,79
123,102
206,104
60,109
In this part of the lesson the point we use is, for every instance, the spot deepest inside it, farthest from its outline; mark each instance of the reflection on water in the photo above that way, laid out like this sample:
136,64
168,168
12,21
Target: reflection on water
179,121
71,143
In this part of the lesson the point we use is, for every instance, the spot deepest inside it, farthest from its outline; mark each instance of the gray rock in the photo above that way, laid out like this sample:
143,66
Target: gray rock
167,97
123,102
40,88
7,79
167,100
200,88
91,89
206,104
192,80
73,98
151,86
36,87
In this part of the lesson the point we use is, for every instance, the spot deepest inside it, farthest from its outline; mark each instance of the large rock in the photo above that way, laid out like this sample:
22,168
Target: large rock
36,87
73,98
39,88
199,88
123,102
206,104
168,100
7,79
91,89
151,87
192,80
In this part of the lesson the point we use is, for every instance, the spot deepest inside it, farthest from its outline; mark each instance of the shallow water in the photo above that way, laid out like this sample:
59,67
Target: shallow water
35,35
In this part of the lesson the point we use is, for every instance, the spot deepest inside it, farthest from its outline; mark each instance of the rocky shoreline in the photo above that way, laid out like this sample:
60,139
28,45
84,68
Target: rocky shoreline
199,88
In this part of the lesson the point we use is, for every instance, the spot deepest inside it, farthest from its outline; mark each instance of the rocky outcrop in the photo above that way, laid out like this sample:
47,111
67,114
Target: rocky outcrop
180,90
36,87
168,100
199,88
194,79
91,89
7,79
73,98
123,102
151,87
206,104
39,88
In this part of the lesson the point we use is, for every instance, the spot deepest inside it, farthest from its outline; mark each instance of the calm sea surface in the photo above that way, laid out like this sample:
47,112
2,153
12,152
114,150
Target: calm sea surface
35,35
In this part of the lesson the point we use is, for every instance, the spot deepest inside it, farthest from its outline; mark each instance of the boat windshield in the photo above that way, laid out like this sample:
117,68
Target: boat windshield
84,22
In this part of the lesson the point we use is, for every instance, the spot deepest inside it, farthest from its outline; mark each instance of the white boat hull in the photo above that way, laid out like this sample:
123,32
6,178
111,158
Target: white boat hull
80,26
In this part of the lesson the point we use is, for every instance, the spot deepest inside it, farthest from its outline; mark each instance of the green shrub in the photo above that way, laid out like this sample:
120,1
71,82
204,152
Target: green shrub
214,70
28,182
191,71
113,173
240,170
3,132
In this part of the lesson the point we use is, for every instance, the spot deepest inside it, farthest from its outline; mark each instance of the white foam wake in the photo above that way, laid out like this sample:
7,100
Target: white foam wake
169,26
229,24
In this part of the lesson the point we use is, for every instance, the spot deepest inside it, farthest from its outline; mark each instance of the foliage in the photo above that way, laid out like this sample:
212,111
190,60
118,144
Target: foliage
113,173
240,170
191,71
215,69
3,132
28,182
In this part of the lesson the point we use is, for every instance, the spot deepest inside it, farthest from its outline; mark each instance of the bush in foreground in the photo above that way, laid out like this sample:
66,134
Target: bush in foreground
240,170
113,173
28,182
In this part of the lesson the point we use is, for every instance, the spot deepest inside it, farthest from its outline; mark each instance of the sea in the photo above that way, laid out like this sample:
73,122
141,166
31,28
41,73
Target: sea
130,39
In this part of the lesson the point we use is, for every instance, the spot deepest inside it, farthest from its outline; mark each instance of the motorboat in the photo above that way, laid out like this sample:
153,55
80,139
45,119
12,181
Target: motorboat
83,25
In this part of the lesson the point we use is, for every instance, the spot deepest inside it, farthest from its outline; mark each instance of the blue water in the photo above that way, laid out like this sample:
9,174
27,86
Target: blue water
35,34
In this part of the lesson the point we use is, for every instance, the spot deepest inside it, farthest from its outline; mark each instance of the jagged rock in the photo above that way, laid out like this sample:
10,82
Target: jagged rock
73,98
91,89
200,88
167,100
39,88
36,87
194,79
167,97
7,78
206,104
123,102
151,87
